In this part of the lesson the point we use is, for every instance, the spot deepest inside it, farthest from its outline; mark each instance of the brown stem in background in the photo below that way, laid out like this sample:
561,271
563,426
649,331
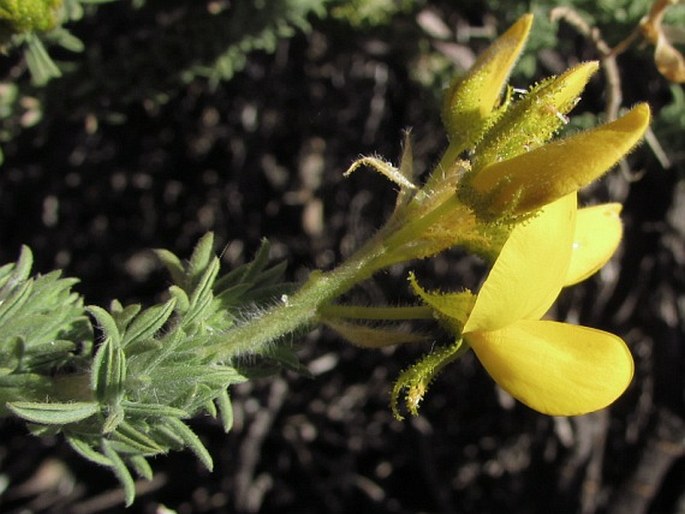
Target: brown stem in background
613,88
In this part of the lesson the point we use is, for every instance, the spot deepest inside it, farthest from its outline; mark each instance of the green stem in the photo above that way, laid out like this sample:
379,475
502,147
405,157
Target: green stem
392,244
413,232
299,310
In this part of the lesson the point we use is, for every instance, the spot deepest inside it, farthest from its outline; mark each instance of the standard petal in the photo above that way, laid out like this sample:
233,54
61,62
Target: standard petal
530,270
598,234
538,177
556,368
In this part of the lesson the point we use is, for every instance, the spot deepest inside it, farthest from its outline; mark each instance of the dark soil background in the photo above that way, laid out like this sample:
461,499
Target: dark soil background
104,178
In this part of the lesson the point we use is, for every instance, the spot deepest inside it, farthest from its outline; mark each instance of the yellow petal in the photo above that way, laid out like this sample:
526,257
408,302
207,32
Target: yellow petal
535,178
471,99
598,234
556,368
530,270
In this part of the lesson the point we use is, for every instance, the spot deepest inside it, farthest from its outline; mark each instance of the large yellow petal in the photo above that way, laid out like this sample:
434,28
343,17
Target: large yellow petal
556,368
535,178
530,270
598,234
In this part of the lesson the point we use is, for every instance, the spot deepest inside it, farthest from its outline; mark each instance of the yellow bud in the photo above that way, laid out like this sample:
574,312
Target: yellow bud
471,99
533,120
533,179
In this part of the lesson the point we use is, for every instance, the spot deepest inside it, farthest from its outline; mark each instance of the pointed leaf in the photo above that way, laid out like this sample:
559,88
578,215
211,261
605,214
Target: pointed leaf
191,440
144,410
173,265
86,451
120,471
202,253
146,325
54,413
225,410
141,467
106,323
136,440
109,372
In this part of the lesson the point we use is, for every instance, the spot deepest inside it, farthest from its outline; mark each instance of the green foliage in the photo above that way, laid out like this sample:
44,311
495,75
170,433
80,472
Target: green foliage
42,328
129,401
29,15
365,13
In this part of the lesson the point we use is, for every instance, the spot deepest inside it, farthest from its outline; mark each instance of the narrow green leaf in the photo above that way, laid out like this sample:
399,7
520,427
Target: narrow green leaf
120,471
223,401
259,262
124,315
24,265
138,347
141,467
181,297
67,40
165,435
210,408
137,441
191,440
149,322
109,372
86,451
201,256
54,413
173,265
202,296
272,275
114,418
152,410
15,301
232,295
106,323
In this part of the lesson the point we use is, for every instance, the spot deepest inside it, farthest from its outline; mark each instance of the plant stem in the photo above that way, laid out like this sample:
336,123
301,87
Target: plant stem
394,243
299,310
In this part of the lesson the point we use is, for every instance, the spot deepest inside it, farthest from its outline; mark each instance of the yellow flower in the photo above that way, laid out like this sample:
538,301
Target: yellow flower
513,169
555,368
527,181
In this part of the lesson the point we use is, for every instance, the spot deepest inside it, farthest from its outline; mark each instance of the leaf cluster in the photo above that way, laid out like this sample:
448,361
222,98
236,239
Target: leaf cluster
121,383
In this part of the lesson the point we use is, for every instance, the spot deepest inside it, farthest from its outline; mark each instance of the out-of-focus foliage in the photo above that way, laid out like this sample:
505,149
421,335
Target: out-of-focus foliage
364,13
